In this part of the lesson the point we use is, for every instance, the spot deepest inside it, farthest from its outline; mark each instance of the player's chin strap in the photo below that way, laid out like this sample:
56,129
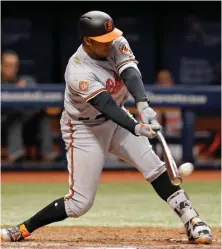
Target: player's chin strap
180,203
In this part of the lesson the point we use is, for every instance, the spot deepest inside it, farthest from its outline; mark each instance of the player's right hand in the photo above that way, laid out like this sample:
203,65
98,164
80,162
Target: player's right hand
147,130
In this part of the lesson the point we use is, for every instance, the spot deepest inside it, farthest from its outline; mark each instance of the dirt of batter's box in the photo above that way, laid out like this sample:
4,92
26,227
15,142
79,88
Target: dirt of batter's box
106,237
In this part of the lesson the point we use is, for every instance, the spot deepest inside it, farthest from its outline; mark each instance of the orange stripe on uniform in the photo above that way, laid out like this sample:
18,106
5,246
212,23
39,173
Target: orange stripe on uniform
124,62
71,174
95,93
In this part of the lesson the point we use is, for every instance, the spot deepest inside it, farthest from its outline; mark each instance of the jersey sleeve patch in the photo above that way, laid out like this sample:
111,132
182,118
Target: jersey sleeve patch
125,49
84,86
123,54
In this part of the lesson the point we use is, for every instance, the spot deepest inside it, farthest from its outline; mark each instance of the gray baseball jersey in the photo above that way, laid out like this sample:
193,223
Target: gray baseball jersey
86,78
88,137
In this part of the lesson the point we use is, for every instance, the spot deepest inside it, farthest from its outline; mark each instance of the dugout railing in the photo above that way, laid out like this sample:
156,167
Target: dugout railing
192,101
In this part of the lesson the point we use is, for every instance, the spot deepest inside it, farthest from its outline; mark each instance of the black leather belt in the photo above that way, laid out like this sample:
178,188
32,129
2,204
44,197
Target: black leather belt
97,117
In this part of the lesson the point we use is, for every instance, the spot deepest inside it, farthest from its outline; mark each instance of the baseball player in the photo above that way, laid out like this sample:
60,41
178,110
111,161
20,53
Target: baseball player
99,76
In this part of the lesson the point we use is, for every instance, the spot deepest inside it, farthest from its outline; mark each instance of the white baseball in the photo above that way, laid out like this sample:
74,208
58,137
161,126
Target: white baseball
186,169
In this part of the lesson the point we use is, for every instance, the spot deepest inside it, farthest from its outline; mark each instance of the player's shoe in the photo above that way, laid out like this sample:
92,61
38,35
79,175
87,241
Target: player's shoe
198,232
14,234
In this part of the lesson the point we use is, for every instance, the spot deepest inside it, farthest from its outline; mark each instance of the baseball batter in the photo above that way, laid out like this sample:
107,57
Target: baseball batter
99,77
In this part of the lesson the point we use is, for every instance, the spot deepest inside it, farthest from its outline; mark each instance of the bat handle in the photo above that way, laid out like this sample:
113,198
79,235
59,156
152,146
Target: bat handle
161,138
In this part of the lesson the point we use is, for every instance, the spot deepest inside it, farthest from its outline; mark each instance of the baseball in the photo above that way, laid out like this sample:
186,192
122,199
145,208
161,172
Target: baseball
186,169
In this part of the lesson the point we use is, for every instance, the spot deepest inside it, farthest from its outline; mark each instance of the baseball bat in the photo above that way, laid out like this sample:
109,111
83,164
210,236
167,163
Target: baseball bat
169,161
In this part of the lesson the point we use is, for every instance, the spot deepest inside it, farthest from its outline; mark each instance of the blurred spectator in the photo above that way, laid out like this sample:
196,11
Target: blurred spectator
170,120
164,78
17,121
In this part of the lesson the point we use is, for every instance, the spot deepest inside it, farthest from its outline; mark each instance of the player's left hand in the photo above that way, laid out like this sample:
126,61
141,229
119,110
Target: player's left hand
147,114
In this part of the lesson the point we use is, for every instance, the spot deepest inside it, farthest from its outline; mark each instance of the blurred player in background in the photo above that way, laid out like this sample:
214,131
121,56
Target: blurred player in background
14,121
169,118
172,118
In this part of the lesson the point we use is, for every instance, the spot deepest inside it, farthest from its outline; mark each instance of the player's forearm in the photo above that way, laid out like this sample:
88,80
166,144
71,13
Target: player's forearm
105,104
133,81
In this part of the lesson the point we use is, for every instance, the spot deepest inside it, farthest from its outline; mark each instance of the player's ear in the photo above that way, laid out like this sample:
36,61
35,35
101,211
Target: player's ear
87,41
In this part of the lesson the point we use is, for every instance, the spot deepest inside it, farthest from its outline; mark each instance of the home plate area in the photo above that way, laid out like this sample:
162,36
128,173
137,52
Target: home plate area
48,245
110,238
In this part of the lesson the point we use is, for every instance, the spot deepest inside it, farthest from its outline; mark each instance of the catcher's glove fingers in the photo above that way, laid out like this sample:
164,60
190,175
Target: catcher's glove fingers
145,130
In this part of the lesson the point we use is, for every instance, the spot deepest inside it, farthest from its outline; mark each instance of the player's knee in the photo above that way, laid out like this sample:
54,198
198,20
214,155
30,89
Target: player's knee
76,208
85,207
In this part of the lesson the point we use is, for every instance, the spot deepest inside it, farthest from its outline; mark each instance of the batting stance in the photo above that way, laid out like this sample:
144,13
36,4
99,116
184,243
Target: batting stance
99,77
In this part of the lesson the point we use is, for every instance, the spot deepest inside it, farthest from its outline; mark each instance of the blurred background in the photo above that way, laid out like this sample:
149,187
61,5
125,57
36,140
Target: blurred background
177,44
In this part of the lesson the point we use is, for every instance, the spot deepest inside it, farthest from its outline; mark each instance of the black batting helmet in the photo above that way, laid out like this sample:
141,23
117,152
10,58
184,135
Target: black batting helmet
98,26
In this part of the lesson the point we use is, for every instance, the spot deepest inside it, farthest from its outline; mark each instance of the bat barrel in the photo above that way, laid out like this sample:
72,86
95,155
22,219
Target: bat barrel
169,161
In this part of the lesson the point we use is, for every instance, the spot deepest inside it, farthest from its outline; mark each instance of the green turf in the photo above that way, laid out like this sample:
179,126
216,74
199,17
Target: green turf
116,204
